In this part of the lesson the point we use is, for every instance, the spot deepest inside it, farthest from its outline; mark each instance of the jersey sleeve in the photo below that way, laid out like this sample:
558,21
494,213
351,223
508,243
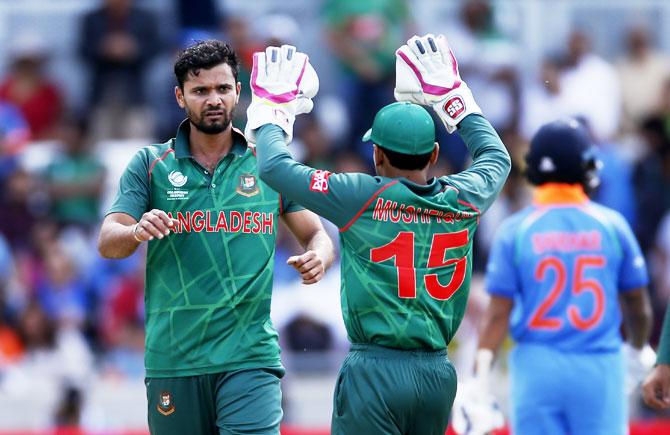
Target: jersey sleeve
134,189
288,206
633,272
481,183
336,197
501,278
664,343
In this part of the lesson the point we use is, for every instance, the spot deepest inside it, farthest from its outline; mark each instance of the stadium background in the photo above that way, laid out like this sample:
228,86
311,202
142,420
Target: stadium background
71,326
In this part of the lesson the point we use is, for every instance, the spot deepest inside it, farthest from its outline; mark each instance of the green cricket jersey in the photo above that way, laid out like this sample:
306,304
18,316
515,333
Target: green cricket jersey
406,248
208,285
663,352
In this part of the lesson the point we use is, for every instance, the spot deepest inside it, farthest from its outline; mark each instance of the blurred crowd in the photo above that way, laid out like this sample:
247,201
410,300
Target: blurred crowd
67,315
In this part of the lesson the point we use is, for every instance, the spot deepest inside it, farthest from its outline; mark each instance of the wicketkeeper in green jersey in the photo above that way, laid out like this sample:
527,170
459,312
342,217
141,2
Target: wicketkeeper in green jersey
406,240
212,356
656,388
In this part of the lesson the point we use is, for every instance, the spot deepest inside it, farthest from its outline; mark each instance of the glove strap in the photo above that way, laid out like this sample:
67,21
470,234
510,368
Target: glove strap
457,104
260,113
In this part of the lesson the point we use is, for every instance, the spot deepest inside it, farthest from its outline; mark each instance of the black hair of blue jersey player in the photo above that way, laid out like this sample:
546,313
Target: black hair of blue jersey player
562,152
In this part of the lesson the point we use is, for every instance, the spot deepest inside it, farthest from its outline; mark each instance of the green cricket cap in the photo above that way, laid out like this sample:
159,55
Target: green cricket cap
404,128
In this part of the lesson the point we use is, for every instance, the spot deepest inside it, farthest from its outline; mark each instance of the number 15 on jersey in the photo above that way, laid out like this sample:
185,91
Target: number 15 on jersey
402,249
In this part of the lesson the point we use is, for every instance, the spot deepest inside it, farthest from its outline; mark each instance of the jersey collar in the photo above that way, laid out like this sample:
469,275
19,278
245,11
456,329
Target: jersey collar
559,193
431,188
183,150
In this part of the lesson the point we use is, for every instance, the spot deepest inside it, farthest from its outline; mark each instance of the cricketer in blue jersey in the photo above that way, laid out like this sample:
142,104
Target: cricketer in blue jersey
556,275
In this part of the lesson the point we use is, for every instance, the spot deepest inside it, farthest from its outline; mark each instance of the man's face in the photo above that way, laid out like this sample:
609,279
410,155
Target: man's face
209,98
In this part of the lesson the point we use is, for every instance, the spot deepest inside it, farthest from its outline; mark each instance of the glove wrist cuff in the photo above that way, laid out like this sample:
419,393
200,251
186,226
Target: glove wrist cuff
260,113
455,106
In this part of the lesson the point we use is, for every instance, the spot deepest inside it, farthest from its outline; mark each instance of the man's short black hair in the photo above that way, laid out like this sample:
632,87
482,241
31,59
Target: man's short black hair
406,161
205,54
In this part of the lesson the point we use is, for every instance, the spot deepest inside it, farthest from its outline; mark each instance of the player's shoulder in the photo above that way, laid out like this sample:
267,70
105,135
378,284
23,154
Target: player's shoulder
159,148
516,219
606,215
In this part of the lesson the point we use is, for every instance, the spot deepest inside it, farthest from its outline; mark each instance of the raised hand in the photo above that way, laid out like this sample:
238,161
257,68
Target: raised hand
427,73
283,83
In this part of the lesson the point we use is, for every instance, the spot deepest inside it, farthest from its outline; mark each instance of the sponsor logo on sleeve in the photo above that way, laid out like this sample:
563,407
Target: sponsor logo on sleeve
319,181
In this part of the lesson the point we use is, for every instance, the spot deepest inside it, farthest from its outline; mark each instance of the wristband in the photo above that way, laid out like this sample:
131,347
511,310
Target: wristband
135,233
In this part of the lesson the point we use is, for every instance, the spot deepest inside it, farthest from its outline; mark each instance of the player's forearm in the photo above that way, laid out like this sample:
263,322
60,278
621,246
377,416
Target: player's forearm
664,345
491,162
495,324
493,333
321,243
276,167
637,317
116,240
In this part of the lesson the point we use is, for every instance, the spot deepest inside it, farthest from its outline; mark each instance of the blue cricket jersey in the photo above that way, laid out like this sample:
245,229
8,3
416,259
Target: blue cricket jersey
564,260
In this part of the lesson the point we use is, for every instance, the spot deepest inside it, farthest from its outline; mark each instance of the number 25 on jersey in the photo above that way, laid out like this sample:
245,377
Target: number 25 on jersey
401,249
555,267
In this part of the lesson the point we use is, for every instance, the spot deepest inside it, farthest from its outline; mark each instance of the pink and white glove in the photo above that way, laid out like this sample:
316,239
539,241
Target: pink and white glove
639,363
283,83
427,74
475,410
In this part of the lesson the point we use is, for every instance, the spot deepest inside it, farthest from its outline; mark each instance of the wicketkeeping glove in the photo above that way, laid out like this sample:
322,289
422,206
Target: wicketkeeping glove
638,364
475,410
427,74
283,83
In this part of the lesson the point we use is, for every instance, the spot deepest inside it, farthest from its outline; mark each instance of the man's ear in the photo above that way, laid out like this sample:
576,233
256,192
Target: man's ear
239,89
435,154
179,95
377,155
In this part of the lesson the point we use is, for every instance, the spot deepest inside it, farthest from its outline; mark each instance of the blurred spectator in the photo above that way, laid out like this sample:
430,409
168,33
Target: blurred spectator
29,89
277,29
201,15
643,73
591,88
238,33
14,135
117,41
305,333
542,100
74,180
651,178
616,178
61,291
21,206
55,360
121,324
11,348
487,61
364,35
315,144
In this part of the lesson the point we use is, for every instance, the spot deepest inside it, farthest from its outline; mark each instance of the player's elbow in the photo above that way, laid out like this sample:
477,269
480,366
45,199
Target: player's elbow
265,171
105,249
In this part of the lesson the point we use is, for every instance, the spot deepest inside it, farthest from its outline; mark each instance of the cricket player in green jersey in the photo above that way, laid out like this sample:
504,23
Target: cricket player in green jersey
656,388
212,356
406,240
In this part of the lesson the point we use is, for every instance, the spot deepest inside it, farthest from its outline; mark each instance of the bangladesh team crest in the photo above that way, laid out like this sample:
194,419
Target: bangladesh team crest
165,405
247,185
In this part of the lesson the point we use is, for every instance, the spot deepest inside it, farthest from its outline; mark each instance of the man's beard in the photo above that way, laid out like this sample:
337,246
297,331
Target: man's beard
211,128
